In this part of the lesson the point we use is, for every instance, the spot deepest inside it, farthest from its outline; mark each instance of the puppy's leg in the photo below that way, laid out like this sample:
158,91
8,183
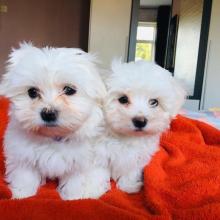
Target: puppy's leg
83,186
98,182
131,182
23,182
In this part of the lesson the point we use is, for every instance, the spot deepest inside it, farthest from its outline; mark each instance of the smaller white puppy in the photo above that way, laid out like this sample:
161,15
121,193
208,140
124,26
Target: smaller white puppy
142,98
55,115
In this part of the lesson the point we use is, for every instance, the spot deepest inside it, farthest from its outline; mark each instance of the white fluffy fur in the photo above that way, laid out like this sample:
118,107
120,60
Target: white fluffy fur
31,151
127,150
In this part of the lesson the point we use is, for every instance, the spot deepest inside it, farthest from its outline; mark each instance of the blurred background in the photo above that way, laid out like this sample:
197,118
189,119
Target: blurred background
180,35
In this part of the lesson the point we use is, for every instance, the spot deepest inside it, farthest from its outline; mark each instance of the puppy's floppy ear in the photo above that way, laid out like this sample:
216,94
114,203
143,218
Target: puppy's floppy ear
115,69
179,96
16,55
97,89
98,92
7,87
116,65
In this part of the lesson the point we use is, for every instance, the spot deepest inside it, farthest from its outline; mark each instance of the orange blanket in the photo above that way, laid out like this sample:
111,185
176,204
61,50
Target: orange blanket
181,182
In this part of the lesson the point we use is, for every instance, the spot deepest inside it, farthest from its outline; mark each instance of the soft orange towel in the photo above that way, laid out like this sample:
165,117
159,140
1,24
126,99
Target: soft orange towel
181,182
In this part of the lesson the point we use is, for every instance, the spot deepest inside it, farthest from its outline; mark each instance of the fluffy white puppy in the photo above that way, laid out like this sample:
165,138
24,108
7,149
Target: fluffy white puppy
55,115
142,98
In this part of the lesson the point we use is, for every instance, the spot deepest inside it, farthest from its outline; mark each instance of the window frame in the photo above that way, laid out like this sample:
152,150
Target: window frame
152,42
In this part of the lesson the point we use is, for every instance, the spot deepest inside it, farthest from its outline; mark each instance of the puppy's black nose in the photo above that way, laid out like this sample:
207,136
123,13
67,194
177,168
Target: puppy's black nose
49,115
139,122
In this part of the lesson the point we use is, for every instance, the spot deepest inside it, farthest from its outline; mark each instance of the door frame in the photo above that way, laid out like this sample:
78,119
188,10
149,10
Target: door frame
203,43
133,30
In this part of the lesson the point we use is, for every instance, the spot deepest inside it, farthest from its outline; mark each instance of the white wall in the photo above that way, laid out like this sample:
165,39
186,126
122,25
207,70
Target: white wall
211,89
109,29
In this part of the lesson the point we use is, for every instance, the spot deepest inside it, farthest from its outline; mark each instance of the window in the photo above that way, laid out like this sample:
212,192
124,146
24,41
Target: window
145,43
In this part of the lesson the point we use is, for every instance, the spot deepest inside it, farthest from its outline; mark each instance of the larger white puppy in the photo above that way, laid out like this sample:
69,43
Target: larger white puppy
55,115
141,101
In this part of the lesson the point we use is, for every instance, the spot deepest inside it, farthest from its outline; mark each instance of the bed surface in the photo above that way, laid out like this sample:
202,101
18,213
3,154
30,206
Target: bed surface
211,117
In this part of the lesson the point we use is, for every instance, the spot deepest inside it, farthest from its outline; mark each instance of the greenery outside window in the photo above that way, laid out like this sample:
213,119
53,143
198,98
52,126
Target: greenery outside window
145,43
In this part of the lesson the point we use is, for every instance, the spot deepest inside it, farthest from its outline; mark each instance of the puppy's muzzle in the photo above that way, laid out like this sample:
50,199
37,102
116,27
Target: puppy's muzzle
49,115
139,122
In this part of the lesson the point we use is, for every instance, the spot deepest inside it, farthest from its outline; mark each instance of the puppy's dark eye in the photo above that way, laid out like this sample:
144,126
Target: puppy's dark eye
69,90
33,92
123,99
153,103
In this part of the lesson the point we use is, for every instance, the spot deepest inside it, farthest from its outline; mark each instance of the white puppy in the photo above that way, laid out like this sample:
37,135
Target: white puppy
55,115
141,101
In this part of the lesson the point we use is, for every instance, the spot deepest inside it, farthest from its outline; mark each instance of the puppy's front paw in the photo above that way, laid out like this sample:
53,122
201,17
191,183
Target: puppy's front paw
91,185
72,192
67,192
129,185
72,189
23,182
97,183
20,193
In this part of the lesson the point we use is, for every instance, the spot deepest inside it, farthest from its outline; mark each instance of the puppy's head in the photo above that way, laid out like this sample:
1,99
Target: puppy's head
142,98
52,90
